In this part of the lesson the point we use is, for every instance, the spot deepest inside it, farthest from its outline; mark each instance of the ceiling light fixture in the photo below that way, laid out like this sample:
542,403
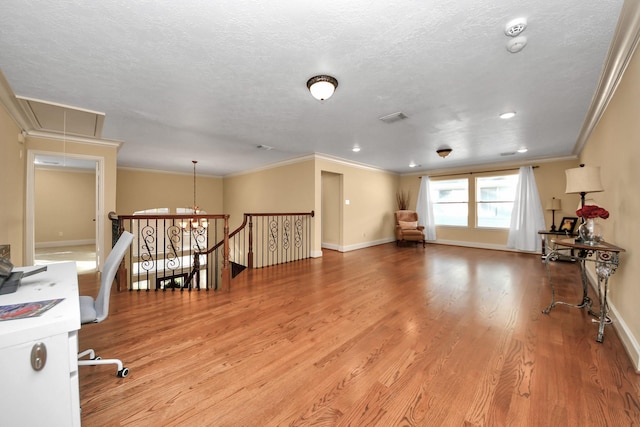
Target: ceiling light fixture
355,149
444,152
522,150
508,115
195,223
322,87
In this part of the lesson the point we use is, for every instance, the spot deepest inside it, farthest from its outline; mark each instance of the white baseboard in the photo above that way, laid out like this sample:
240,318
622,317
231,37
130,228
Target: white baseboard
357,246
316,254
481,246
629,342
65,243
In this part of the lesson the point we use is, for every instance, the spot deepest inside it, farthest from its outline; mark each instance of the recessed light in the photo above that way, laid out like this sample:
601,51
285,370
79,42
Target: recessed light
522,150
412,165
355,149
507,115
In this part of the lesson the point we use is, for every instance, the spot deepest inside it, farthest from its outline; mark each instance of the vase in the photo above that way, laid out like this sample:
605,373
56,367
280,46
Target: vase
590,231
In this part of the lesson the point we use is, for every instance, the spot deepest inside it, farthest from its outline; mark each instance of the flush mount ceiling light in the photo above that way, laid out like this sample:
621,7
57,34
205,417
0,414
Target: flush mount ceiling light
507,115
322,87
355,149
444,152
522,150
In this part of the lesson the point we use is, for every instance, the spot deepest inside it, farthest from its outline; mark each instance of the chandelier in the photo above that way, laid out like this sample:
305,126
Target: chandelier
195,223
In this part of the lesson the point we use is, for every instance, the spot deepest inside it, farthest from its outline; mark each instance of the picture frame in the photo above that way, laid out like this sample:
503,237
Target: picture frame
568,224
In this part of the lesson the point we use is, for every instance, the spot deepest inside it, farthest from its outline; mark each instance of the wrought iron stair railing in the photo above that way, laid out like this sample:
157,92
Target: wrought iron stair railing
177,252
170,251
265,239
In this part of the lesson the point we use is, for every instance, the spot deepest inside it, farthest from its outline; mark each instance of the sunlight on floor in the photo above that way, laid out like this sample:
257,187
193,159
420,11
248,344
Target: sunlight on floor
84,256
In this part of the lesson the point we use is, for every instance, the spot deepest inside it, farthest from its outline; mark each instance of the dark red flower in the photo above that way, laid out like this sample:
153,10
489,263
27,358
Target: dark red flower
592,211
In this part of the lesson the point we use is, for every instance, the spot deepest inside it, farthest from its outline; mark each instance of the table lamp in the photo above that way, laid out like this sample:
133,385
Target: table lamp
553,205
583,180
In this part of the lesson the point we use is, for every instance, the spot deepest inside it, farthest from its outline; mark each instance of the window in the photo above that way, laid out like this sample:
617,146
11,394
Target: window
450,201
494,200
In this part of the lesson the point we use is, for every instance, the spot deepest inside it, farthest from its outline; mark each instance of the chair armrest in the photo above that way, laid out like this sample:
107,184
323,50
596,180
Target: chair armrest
421,227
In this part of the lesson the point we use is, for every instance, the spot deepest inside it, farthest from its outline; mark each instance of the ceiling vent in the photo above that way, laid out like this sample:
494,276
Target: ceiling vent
394,117
264,147
62,119
510,153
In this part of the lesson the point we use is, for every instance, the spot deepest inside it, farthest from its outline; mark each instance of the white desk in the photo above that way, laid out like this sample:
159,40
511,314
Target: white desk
50,396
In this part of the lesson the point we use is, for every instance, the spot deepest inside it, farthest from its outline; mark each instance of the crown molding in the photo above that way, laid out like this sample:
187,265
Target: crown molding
623,46
480,168
72,138
167,172
9,100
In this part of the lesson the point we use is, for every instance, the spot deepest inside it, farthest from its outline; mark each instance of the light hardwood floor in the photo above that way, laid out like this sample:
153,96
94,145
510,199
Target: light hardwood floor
384,336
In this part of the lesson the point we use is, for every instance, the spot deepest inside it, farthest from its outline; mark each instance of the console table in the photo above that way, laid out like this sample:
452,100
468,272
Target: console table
606,259
39,355
548,244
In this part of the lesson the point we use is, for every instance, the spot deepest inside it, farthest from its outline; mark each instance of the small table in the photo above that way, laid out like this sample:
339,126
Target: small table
548,245
606,258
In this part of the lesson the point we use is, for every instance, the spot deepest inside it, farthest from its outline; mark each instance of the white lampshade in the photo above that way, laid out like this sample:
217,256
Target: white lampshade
553,204
322,87
585,179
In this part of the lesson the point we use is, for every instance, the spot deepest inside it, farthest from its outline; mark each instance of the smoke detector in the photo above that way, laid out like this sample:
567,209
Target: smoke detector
515,27
516,44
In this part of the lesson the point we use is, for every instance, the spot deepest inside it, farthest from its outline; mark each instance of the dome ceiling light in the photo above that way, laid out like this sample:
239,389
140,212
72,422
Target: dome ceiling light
322,86
444,152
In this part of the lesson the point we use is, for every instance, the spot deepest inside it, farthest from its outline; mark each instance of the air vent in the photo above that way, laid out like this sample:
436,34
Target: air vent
394,117
264,147
510,153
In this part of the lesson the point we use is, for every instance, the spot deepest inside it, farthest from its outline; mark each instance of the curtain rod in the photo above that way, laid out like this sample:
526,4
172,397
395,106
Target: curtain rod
471,173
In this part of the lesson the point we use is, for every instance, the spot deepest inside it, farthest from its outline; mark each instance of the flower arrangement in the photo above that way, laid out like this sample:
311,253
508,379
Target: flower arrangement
592,211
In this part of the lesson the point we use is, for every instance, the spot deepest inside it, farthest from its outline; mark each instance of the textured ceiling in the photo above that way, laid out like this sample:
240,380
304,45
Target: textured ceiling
213,80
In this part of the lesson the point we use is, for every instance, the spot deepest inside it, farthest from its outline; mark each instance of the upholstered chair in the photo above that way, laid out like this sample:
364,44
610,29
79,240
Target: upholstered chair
407,228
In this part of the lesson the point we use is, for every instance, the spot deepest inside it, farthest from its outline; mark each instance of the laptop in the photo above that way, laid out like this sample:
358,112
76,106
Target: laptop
10,280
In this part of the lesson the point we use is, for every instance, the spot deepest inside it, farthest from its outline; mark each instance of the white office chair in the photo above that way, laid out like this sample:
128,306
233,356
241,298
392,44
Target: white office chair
95,311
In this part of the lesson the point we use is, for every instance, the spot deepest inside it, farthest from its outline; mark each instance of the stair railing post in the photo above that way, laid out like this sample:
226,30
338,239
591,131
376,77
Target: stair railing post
226,271
250,254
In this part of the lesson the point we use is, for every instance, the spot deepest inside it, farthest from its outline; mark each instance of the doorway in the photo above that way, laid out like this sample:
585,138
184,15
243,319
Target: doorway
331,201
64,199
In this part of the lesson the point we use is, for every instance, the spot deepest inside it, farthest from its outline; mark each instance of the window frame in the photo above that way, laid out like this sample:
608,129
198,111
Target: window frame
478,200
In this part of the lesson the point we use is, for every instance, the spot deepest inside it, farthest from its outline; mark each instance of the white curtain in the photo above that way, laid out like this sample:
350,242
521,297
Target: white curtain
527,217
424,208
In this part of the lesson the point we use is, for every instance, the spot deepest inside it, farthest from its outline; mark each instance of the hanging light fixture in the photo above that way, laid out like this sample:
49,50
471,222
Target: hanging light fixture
195,223
444,152
322,86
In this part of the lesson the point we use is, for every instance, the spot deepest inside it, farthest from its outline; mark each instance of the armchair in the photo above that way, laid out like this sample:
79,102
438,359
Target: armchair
407,228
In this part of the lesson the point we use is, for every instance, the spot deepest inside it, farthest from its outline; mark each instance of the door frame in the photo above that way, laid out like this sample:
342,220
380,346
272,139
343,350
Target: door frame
30,203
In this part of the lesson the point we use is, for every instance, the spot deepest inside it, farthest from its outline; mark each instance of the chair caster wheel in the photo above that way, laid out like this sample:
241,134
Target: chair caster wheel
97,358
123,373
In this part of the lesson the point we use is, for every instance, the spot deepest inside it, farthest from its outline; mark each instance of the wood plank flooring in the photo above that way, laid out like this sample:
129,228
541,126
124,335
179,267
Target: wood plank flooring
384,336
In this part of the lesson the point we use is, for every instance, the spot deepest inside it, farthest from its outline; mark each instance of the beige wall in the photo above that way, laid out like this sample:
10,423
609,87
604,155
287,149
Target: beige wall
550,180
139,190
614,147
65,206
12,187
368,218
287,188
